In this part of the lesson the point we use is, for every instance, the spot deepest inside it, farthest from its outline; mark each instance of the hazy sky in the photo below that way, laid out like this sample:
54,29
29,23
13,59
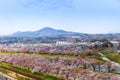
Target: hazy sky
88,16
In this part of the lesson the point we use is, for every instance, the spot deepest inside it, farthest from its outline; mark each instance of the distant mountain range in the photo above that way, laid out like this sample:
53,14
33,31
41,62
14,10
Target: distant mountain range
47,31
50,32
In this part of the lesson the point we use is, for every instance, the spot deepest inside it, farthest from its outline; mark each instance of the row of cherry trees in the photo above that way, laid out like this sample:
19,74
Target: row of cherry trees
54,50
68,68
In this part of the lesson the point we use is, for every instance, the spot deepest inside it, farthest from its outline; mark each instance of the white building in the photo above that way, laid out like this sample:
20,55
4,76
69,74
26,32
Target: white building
63,43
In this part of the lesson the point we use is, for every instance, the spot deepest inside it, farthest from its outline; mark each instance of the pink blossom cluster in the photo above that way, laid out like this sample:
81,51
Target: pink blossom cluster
68,68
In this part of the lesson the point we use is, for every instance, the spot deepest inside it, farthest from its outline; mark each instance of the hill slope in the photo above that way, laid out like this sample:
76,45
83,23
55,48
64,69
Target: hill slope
43,32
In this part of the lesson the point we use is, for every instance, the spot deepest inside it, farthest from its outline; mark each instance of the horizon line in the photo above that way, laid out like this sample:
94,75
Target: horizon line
61,29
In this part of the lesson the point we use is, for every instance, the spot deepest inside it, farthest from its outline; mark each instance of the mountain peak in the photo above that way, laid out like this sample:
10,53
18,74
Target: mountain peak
46,31
46,28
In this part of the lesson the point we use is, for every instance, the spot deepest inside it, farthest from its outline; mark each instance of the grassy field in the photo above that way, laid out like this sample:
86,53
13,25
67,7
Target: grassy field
13,76
114,57
39,75
4,71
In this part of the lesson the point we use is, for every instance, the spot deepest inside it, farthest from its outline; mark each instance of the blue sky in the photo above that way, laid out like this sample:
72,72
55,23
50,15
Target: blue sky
88,16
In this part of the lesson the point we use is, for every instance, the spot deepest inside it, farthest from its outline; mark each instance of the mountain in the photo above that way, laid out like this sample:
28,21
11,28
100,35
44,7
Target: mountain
47,31
50,32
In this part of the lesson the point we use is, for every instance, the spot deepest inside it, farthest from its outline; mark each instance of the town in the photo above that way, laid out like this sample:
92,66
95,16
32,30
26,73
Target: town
73,45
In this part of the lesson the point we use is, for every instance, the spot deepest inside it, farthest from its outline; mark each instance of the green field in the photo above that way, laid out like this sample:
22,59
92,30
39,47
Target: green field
114,57
23,70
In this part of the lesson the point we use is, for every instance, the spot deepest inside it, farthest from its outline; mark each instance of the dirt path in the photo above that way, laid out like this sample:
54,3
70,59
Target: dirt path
27,75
